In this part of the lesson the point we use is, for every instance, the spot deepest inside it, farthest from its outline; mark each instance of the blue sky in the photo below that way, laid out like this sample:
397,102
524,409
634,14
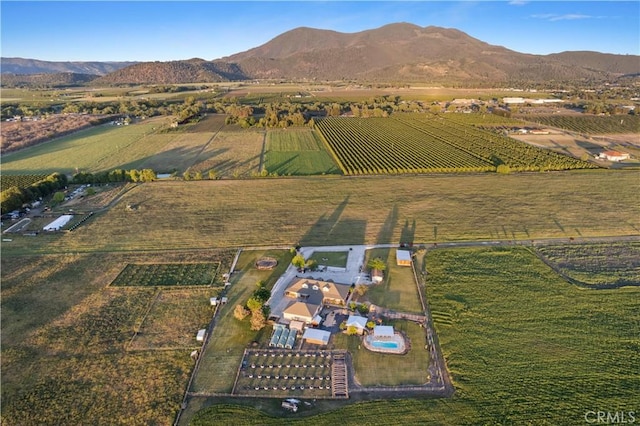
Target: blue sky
166,30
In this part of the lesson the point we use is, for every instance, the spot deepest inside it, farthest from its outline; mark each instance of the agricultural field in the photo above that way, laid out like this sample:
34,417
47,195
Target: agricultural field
366,210
297,152
231,154
596,265
19,181
591,124
67,349
169,275
173,320
93,150
430,144
574,347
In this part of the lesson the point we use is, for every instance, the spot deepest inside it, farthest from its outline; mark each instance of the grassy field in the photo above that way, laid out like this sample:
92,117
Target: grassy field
230,337
329,211
398,289
297,152
378,369
97,149
66,335
613,264
547,362
231,154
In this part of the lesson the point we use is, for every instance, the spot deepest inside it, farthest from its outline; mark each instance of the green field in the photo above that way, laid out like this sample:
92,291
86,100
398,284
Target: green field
613,264
398,289
297,152
512,362
377,369
168,274
337,259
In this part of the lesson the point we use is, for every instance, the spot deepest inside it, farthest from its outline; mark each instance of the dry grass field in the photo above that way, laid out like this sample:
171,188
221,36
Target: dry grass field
328,211
231,154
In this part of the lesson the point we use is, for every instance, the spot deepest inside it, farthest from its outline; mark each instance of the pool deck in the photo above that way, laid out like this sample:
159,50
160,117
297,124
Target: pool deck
397,338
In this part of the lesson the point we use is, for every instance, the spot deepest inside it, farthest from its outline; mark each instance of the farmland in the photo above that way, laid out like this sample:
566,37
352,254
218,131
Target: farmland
498,349
410,144
297,152
608,265
233,213
167,274
20,181
67,349
594,125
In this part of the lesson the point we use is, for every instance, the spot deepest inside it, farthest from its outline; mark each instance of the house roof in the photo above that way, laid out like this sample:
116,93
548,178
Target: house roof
356,321
615,153
383,331
317,290
318,335
301,309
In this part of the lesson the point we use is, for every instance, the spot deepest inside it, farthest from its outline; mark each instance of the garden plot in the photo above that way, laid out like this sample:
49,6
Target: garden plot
168,274
173,319
284,373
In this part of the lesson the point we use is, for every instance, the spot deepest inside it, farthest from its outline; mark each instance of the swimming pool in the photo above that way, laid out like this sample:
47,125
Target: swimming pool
384,344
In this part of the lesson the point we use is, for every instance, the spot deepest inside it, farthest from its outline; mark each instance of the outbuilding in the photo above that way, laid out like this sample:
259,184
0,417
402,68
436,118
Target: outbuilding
315,336
403,257
201,334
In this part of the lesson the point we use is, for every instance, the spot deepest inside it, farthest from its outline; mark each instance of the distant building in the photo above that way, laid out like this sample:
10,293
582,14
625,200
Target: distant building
614,156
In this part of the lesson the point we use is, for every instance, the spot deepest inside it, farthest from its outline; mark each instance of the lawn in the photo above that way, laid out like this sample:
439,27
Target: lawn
297,152
336,259
333,211
377,369
230,337
522,345
398,290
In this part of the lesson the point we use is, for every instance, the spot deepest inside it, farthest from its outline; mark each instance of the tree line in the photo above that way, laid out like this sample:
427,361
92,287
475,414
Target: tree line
14,198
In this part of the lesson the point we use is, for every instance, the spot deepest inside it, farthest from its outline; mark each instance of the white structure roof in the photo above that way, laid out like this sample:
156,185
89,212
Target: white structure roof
403,255
58,223
317,335
383,331
356,321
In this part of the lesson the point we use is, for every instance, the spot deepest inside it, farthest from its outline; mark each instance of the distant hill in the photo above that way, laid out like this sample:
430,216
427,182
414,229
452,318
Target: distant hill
174,72
46,80
34,66
393,53
409,52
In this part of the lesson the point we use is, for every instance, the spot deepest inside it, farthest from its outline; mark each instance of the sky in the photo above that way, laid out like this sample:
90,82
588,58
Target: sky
169,30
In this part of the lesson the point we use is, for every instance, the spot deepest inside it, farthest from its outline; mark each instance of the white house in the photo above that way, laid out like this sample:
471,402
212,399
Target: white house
614,156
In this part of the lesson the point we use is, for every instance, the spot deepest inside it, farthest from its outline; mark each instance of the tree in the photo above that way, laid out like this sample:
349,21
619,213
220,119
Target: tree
240,312
258,320
370,325
298,261
212,174
254,304
361,289
503,169
377,263
352,330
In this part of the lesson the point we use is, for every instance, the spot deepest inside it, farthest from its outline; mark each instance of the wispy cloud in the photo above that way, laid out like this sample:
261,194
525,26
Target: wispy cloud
553,17
518,2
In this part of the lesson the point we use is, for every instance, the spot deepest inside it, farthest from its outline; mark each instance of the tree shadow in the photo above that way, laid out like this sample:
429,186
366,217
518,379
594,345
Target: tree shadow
408,233
330,230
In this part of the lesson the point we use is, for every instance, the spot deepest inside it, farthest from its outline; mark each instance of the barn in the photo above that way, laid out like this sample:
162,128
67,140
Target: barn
315,336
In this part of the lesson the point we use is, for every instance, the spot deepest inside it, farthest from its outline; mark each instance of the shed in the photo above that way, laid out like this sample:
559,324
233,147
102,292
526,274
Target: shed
360,323
315,336
296,325
224,300
213,301
201,334
403,257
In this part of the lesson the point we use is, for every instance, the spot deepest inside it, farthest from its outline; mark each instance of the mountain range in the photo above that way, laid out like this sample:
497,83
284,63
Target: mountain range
400,52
